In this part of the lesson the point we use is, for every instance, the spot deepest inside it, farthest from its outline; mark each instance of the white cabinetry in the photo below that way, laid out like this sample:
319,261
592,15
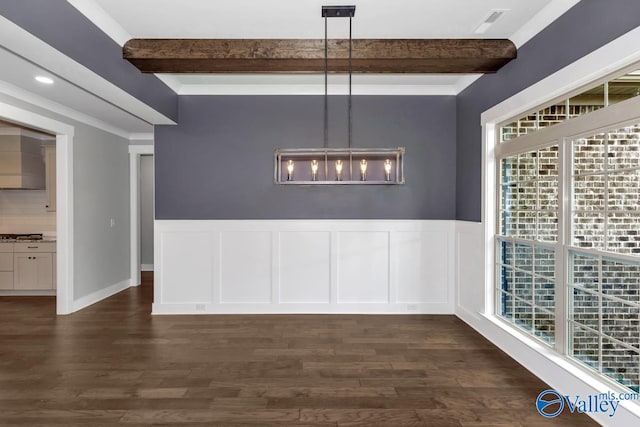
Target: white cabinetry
6,266
33,271
33,267
50,176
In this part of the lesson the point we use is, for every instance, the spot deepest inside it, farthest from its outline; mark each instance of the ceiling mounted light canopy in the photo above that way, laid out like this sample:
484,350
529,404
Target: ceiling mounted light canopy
339,165
338,11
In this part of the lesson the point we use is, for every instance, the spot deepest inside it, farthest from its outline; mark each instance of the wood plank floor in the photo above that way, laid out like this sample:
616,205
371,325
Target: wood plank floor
113,363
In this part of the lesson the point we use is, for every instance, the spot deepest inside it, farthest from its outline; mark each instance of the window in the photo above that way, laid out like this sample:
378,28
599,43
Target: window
527,287
595,97
604,291
529,216
529,195
606,191
603,316
569,224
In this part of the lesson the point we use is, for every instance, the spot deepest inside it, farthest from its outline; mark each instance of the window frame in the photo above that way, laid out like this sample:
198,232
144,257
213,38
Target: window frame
560,342
550,365
608,119
559,95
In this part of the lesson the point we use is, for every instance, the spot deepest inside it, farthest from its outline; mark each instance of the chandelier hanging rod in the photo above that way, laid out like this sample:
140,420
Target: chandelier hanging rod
330,166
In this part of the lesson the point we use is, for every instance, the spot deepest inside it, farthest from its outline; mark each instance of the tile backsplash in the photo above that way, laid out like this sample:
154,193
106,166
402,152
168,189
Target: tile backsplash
23,211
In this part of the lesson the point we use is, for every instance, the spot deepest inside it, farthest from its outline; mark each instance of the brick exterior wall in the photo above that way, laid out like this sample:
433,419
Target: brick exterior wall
527,275
607,191
618,320
530,195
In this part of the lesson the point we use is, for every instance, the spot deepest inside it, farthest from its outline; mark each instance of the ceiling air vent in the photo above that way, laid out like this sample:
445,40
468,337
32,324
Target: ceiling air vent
494,15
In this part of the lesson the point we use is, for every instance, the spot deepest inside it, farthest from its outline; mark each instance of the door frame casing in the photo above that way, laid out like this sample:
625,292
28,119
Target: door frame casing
135,151
64,196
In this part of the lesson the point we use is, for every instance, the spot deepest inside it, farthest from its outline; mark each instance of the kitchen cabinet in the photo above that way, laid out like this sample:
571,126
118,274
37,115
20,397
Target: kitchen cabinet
33,267
33,271
6,266
21,160
50,177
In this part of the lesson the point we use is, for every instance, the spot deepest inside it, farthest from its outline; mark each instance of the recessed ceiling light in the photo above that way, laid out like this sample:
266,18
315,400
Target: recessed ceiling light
45,80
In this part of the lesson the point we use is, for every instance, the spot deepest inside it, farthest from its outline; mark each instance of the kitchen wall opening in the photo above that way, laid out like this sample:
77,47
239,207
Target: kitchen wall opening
28,261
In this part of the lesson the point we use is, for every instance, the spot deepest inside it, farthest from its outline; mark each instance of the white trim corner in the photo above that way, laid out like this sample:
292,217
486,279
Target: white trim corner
100,295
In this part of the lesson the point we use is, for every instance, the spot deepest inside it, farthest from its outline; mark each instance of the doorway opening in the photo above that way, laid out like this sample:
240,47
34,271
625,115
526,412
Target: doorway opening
62,262
142,211
146,213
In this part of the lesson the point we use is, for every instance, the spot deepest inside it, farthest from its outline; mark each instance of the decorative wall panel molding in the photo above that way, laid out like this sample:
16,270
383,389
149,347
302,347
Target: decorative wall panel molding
470,269
304,266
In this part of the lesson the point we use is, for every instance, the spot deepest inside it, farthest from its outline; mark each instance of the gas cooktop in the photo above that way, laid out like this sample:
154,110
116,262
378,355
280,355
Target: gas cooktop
20,237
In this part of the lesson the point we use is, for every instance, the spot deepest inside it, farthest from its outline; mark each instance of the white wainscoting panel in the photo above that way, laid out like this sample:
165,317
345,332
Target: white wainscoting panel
245,267
363,267
304,266
412,250
186,260
470,272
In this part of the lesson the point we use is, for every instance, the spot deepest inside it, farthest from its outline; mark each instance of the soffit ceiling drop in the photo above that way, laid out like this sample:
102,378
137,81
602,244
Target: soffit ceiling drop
65,97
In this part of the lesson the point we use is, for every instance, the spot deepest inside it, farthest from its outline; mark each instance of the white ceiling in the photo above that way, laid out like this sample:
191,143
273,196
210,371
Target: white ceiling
125,19
301,18
17,79
84,96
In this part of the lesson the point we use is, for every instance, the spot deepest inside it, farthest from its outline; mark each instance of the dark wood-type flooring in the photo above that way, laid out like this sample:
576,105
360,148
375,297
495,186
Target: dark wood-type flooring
114,363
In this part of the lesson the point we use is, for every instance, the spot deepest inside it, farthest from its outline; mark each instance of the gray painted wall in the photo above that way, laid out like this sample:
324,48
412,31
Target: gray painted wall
62,26
217,163
146,210
587,26
101,192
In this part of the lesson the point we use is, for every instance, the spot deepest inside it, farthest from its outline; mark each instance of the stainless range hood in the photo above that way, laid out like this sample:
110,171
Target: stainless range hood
21,160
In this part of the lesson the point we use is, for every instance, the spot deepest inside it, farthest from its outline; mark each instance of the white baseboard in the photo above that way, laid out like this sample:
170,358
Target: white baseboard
98,296
146,267
302,308
22,293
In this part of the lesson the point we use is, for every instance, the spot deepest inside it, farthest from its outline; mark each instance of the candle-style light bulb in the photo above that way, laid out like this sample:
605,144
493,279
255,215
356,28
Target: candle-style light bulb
339,170
290,170
363,170
314,170
387,170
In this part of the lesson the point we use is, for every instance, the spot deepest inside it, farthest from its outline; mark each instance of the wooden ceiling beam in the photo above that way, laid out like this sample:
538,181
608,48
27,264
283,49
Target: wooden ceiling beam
307,55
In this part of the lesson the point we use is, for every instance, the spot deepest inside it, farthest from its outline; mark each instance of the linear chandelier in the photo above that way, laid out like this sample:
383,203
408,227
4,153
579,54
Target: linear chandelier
338,165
